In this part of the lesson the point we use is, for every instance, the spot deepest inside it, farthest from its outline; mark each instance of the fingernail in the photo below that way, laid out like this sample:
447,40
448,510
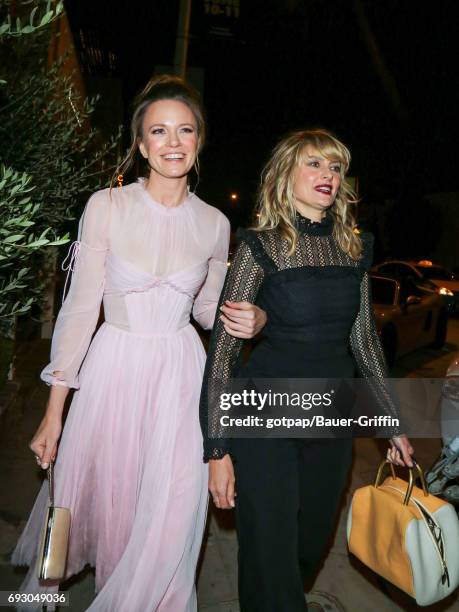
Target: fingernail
44,466
232,504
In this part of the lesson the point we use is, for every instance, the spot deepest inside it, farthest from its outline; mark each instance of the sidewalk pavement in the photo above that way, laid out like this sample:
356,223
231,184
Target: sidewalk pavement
346,578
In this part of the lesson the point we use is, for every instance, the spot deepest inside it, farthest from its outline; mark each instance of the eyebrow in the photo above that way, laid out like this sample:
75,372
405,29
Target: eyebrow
165,125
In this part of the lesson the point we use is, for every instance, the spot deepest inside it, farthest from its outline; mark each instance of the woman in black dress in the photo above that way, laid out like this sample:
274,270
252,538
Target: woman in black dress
307,268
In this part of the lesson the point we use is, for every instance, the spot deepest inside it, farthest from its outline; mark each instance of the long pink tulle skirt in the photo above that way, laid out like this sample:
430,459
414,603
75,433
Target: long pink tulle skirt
130,469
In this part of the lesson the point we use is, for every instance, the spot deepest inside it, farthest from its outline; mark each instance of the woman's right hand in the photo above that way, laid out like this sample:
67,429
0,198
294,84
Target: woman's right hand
400,451
44,442
221,482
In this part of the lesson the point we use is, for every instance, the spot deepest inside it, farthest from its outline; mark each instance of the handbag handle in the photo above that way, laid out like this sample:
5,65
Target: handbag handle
50,473
409,490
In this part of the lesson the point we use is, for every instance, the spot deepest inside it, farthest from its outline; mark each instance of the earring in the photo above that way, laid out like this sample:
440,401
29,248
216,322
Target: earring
119,180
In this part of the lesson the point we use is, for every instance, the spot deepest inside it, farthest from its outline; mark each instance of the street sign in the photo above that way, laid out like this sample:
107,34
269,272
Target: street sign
221,18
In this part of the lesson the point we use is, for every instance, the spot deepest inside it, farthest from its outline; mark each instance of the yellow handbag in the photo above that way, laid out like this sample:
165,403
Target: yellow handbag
406,535
52,556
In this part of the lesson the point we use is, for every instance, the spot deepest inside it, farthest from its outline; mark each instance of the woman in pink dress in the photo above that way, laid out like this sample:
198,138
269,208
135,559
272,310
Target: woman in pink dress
129,464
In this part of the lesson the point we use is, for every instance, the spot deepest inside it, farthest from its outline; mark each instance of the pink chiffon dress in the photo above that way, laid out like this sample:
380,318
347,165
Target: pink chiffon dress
129,464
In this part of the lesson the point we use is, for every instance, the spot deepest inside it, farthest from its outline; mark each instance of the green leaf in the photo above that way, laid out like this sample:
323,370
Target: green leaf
27,29
46,18
59,242
14,238
32,15
37,243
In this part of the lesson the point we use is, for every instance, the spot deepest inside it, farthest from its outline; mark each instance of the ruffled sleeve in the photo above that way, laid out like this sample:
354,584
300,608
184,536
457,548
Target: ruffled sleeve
242,283
205,304
78,316
365,343
259,254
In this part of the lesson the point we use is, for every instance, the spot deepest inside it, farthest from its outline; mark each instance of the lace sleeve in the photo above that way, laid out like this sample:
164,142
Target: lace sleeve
242,283
367,350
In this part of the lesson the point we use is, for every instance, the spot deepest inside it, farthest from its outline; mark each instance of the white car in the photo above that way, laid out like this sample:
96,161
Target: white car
407,317
428,276
445,280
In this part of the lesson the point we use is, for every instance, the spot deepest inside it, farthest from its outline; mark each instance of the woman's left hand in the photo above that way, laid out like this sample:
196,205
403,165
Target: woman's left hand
242,319
400,451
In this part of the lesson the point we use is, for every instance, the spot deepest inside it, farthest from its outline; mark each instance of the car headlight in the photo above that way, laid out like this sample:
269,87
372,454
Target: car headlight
445,291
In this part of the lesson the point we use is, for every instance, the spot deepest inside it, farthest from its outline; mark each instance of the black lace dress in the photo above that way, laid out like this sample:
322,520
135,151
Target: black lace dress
320,318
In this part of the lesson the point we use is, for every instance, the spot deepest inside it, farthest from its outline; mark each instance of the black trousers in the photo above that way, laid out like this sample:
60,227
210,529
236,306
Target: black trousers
288,492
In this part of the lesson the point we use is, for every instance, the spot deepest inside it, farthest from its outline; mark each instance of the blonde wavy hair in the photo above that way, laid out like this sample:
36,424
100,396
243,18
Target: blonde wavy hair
276,200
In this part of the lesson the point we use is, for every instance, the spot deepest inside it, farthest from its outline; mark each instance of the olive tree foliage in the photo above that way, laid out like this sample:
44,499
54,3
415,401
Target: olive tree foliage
44,131
41,14
50,157
18,243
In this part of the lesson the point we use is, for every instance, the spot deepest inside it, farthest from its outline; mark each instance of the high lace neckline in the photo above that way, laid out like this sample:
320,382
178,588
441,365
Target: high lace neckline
314,228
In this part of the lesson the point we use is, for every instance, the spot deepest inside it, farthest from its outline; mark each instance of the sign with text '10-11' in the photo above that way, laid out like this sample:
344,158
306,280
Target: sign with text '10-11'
222,17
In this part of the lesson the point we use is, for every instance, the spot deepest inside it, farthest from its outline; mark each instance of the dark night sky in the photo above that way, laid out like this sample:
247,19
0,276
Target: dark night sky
294,64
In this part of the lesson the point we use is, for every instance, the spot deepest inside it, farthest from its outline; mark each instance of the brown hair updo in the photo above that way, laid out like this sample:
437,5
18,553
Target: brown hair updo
163,87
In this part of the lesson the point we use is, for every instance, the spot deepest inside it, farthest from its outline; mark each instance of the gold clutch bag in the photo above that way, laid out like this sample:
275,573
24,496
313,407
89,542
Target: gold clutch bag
54,541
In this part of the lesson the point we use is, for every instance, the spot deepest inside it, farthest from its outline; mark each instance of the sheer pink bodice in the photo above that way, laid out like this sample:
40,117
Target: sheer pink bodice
151,265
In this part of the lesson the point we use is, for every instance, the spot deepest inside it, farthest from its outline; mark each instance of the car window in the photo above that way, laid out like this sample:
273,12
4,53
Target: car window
407,288
396,270
404,271
435,272
383,291
389,269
